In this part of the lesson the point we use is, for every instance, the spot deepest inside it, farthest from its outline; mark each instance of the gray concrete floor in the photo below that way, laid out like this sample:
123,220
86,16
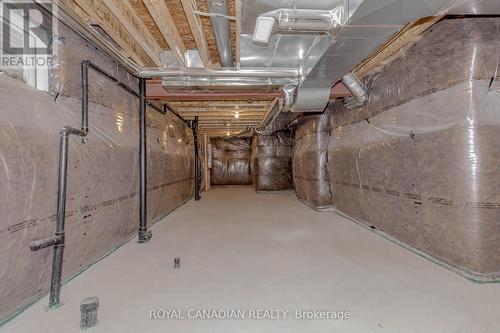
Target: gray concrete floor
240,250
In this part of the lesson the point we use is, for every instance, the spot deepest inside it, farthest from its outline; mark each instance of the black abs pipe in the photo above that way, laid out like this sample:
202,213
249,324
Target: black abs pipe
57,261
85,95
57,240
197,174
167,109
144,234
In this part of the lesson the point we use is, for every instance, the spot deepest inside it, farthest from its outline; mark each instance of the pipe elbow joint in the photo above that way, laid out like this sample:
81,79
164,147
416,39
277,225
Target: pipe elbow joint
357,89
43,243
67,130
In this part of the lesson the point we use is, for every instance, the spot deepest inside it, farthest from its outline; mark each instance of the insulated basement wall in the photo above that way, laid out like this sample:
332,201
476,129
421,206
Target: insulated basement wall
421,160
272,161
231,161
310,158
103,174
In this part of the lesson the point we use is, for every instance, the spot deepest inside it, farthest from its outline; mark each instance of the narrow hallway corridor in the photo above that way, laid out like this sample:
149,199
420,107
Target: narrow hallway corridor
240,251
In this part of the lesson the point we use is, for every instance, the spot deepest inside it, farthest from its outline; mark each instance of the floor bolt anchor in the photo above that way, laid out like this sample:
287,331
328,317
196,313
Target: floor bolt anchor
177,262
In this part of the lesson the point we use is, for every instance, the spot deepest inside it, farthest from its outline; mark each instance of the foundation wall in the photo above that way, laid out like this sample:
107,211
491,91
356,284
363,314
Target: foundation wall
310,161
231,161
272,161
420,160
102,198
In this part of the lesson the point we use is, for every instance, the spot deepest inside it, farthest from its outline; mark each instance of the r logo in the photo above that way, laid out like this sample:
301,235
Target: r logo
27,28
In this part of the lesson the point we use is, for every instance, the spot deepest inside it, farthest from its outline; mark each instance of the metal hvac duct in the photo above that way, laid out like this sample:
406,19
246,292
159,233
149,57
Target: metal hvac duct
220,25
300,52
294,19
225,72
192,77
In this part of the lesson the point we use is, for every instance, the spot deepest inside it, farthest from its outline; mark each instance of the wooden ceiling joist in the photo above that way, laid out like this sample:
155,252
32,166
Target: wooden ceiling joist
408,35
230,120
231,128
234,108
101,15
224,122
194,108
221,132
223,126
143,29
197,31
165,23
241,103
130,20
73,7
228,126
221,114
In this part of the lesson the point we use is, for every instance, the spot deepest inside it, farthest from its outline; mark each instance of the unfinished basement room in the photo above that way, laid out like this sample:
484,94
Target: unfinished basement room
257,166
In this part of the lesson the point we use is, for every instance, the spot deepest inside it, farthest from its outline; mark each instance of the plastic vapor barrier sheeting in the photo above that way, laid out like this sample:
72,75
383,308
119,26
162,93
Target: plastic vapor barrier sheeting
272,161
103,173
421,160
310,159
230,161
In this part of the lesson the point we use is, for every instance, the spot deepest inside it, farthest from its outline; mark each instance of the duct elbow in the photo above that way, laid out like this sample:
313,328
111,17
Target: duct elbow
357,89
288,98
285,106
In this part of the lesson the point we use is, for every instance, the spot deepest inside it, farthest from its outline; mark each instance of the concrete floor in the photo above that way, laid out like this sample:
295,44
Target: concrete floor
240,250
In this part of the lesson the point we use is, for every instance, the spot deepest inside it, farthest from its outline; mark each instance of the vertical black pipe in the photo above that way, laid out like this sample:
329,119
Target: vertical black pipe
85,95
197,175
57,240
144,234
57,261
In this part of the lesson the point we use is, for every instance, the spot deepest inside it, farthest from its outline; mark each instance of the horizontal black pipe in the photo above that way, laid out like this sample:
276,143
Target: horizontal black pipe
167,109
126,87
112,78
43,243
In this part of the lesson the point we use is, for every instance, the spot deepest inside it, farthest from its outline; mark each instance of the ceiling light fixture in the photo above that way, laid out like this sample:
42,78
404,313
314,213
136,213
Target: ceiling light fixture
237,115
